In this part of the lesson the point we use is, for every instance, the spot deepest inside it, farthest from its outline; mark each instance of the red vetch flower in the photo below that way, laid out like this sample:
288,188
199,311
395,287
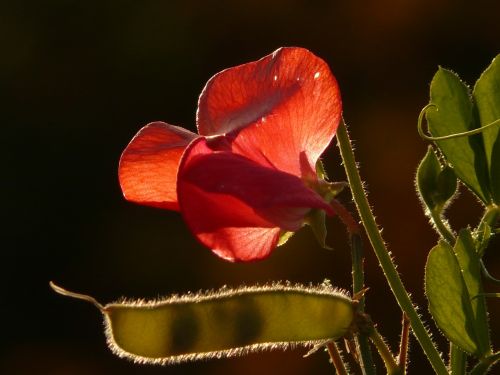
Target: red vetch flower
250,173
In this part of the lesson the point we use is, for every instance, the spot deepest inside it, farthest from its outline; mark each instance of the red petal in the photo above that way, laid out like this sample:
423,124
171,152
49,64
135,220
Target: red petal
148,166
237,207
251,243
286,108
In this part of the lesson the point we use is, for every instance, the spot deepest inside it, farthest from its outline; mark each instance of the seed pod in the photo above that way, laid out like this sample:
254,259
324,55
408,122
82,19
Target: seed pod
224,323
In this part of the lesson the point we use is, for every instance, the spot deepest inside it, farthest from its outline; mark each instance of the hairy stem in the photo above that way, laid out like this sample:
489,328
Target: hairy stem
336,358
358,283
404,343
382,253
442,228
390,363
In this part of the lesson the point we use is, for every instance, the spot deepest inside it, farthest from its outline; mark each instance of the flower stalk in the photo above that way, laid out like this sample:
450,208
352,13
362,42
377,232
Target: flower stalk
358,281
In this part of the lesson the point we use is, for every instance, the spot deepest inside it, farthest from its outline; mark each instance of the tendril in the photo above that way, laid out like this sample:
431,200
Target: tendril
488,275
422,134
487,295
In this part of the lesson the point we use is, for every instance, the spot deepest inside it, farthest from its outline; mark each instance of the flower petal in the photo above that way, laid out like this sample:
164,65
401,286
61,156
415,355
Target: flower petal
148,165
237,207
285,108
251,243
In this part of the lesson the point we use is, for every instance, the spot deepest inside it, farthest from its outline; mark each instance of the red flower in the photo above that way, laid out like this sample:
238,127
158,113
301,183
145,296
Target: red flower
250,173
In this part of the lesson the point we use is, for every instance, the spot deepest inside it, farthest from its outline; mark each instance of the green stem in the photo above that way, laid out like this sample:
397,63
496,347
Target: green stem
390,363
382,254
358,283
442,228
484,365
458,360
358,279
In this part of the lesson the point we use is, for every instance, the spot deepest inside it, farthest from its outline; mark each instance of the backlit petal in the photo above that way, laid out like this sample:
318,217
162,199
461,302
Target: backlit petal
251,243
283,109
149,164
237,207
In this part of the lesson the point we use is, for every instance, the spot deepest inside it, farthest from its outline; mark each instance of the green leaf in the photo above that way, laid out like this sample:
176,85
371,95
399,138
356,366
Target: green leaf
452,284
284,237
470,266
224,323
454,114
487,99
316,219
320,170
436,186
448,298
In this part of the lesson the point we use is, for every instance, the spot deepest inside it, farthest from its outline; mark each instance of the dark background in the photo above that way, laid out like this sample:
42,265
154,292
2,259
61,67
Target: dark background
79,78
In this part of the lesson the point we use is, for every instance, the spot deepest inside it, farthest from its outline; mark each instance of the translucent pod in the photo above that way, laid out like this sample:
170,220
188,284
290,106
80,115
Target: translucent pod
225,323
